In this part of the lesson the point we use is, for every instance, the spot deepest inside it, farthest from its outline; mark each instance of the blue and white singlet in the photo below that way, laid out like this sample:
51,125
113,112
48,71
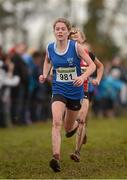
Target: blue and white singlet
66,66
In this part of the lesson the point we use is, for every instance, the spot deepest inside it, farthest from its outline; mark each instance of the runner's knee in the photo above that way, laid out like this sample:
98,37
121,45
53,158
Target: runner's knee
57,124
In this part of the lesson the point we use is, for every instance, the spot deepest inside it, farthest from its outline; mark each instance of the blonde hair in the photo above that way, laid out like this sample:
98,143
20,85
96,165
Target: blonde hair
63,20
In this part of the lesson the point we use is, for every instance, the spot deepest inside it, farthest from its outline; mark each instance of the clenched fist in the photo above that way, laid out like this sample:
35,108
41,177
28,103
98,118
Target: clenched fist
42,78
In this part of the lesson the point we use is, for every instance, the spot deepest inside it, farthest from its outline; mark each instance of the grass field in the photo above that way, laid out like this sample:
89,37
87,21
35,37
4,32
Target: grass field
25,152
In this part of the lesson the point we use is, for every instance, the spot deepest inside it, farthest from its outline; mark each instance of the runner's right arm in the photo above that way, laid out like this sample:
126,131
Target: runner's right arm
46,68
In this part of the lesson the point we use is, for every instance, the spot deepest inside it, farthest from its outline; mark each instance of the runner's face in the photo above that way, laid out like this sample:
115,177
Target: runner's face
61,32
77,37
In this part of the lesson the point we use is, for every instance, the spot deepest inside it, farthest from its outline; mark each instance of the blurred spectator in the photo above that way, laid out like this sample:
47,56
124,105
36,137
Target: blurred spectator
107,97
7,80
1,53
117,64
40,97
28,60
19,94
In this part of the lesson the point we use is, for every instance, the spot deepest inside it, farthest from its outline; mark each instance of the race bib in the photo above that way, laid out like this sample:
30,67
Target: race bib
66,74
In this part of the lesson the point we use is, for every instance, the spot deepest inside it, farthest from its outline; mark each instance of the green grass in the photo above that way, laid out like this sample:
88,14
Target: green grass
25,152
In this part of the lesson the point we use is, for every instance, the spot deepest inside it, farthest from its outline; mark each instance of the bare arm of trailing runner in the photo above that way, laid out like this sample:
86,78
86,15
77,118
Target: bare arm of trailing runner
100,70
91,66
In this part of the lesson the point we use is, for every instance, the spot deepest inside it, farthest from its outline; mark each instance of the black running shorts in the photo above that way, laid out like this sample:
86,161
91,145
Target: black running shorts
71,104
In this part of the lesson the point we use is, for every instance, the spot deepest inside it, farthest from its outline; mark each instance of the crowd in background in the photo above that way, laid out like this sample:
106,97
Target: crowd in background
23,100
110,97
